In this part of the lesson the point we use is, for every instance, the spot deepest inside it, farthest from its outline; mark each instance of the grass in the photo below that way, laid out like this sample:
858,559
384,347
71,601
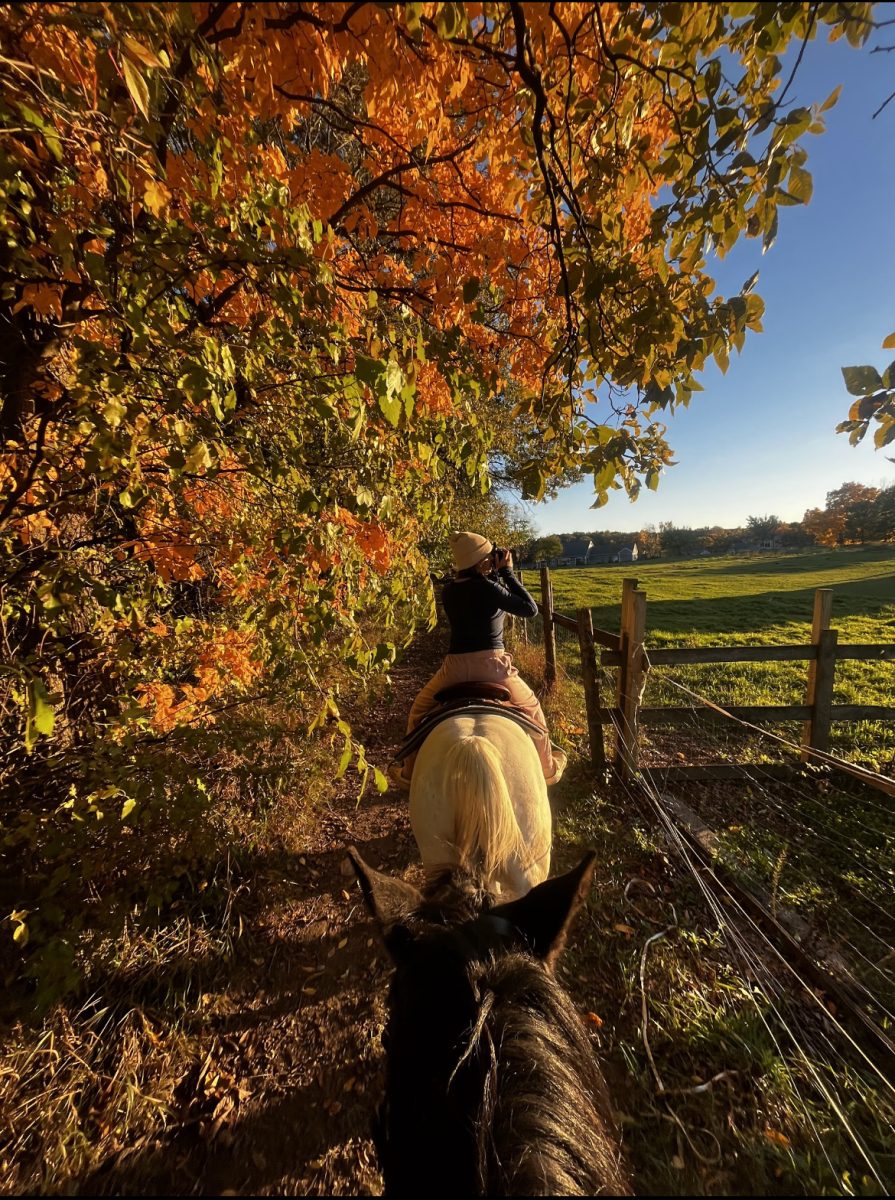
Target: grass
756,600
765,1126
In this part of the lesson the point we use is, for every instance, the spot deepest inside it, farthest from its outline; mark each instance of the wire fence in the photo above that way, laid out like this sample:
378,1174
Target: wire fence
816,847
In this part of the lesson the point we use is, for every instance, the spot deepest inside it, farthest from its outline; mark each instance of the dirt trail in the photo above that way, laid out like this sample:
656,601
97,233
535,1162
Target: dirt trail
282,1099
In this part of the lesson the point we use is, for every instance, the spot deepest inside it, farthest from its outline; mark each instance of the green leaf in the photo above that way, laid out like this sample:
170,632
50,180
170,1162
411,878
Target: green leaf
380,780
885,434
367,370
137,86
861,380
39,717
652,480
344,760
391,407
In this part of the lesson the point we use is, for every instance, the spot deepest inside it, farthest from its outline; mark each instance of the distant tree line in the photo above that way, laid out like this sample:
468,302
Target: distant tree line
853,514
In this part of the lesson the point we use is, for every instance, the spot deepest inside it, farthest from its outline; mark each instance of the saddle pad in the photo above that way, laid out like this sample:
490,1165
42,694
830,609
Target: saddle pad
465,708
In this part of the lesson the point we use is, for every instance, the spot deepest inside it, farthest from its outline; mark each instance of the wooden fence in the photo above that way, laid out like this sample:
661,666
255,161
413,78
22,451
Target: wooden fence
627,651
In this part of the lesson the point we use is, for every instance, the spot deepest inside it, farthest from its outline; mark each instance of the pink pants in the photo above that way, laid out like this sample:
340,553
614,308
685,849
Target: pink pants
484,666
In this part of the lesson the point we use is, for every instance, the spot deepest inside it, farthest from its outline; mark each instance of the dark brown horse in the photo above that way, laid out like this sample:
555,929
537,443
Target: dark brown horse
491,1083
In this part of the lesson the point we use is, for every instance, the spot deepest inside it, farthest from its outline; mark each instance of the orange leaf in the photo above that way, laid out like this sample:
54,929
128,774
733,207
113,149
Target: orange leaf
594,1019
774,1135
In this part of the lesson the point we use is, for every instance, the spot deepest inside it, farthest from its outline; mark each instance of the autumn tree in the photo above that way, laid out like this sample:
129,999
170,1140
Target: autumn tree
852,504
280,282
649,542
823,526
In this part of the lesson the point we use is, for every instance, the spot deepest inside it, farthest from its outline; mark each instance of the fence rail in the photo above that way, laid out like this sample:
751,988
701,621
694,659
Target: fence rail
627,652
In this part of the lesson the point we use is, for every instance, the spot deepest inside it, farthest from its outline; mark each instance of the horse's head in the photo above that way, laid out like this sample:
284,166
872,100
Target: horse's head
458,955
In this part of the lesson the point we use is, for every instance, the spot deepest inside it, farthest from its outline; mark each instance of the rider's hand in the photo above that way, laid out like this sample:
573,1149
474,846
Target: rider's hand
506,561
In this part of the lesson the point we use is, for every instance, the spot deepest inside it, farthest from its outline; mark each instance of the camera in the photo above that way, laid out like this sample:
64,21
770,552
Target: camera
497,555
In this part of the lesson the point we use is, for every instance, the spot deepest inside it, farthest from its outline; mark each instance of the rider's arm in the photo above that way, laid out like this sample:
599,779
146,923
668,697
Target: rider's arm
511,596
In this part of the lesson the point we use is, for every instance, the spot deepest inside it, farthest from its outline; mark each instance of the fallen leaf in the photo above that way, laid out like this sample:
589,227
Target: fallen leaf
677,1162
774,1135
594,1019
342,944
627,930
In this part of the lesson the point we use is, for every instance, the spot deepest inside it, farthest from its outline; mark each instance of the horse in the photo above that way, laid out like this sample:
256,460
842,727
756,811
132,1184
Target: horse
478,801
492,1087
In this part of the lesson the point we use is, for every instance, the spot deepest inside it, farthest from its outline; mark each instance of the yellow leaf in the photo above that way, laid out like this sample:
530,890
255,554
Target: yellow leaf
127,808
889,343
156,197
20,934
141,53
137,87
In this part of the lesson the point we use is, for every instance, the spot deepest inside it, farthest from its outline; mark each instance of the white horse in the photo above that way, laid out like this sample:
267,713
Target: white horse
478,800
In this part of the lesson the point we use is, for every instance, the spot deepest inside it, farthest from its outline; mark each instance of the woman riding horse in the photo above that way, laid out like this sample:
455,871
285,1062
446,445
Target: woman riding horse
483,590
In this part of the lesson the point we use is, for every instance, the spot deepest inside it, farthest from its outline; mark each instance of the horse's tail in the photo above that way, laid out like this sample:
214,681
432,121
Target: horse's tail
486,833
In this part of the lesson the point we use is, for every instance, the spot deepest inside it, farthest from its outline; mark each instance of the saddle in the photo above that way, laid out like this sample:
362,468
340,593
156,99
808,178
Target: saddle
466,699
473,691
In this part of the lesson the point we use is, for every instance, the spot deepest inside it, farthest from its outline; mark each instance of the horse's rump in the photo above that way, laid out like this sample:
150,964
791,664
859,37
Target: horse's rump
478,800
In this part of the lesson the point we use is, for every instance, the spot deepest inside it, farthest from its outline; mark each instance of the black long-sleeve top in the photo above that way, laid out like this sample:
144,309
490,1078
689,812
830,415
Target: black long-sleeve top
476,608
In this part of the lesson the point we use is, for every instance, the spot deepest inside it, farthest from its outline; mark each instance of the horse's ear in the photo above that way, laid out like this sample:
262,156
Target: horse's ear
389,900
546,913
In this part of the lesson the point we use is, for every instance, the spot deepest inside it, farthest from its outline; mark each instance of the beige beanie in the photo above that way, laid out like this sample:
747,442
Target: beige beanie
469,549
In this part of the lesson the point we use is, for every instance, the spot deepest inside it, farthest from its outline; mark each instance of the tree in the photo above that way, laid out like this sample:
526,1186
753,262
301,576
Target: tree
543,549
681,540
649,544
883,515
823,526
763,529
282,283
852,506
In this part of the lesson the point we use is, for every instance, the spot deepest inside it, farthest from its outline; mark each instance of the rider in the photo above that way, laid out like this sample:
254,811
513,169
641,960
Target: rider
476,600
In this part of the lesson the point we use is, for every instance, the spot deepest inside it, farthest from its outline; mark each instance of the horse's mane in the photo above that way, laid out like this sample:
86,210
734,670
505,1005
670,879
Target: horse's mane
543,1125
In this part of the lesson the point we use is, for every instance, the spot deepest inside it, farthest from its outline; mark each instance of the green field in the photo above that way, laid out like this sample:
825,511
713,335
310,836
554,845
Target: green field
757,600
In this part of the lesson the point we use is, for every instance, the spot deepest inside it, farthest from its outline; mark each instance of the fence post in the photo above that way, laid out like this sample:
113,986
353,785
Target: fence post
630,675
628,587
589,672
522,631
549,629
821,675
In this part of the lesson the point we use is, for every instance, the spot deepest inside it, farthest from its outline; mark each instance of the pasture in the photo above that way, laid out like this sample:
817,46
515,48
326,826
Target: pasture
758,600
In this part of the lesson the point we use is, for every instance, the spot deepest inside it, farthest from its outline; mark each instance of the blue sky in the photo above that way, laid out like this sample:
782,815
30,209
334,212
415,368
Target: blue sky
762,438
